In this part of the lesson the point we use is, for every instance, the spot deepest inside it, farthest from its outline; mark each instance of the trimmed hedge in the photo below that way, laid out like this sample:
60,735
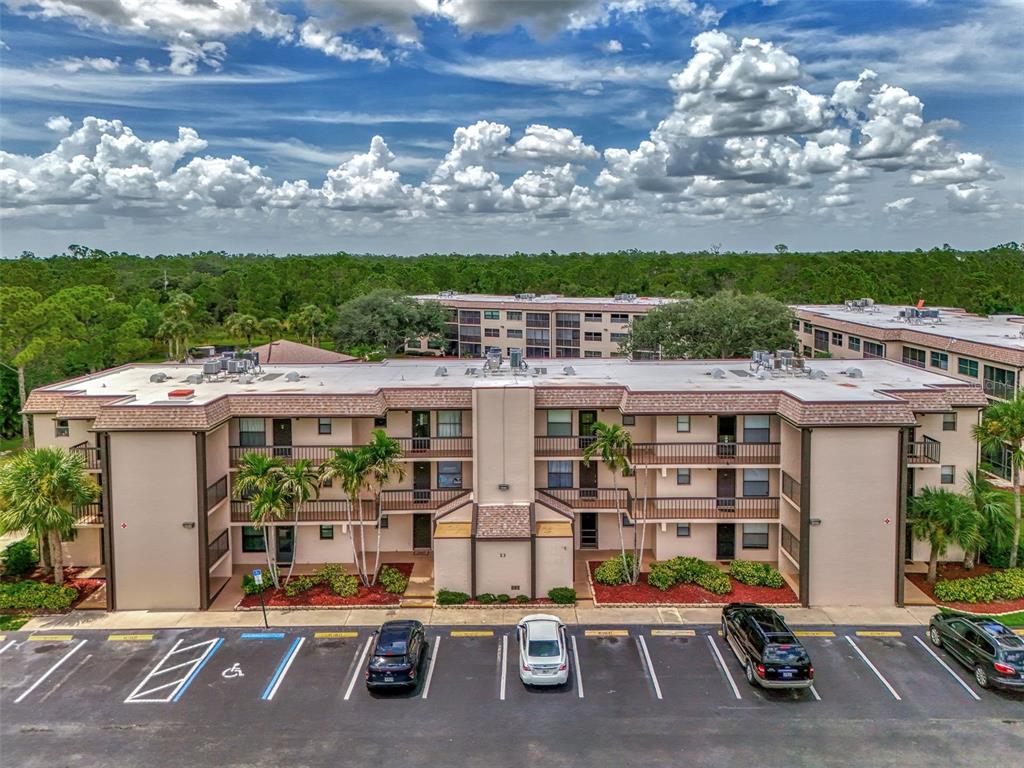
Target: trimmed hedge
998,585
250,587
31,595
485,598
562,595
337,579
448,597
755,574
19,558
522,599
614,571
300,584
393,580
688,570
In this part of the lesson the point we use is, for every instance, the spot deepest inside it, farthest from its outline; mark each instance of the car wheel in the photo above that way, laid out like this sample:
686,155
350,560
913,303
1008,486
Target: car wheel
748,670
981,675
935,637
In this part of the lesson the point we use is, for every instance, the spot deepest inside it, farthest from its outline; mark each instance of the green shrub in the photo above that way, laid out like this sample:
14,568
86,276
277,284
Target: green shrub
522,599
714,581
562,595
662,576
755,574
448,597
503,598
614,571
301,584
393,580
19,558
687,569
998,585
249,586
485,598
31,595
1000,558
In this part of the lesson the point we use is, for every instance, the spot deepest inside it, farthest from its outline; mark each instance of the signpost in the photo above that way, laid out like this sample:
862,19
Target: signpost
257,576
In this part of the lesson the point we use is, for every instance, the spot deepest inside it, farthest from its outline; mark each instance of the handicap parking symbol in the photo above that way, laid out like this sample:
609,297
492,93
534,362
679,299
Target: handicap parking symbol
235,670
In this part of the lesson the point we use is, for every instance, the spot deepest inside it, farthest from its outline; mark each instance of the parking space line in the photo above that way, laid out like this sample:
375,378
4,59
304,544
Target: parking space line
50,671
333,635
178,686
192,675
721,665
503,658
472,633
873,668
673,633
606,633
430,669
946,667
650,664
878,633
282,669
359,665
51,638
9,645
129,638
579,673
814,693
262,636
814,633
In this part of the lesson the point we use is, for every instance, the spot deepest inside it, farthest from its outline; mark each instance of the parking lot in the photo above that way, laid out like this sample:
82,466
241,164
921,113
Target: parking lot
642,693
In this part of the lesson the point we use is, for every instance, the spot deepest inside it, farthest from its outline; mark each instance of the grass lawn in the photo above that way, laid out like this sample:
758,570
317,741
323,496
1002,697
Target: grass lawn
12,621
1009,619
10,443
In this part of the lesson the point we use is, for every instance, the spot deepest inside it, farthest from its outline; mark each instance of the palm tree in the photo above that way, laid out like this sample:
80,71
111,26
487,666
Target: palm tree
257,473
351,467
611,442
38,490
176,331
942,518
271,503
382,454
309,320
240,324
271,328
994,517
301,483
1002,428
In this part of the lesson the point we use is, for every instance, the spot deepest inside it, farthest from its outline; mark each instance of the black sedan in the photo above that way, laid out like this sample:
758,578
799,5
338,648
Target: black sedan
769,652
989,648
397,654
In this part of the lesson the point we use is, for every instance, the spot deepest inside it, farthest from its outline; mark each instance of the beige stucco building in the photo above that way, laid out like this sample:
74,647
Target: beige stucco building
808,468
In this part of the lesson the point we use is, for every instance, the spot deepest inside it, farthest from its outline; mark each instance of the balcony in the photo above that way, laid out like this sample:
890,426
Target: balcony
923,452
88,514
436,447
707,508
791,488
569,446
413,448
217,548
216,493
607,499
422,500
93,455
318,454
320,511
704,453
1000,390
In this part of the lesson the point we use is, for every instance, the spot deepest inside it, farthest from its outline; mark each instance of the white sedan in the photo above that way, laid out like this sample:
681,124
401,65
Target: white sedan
543,654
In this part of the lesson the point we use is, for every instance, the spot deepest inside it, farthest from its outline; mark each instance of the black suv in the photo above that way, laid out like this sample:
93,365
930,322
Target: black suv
989,648
396,655
771,655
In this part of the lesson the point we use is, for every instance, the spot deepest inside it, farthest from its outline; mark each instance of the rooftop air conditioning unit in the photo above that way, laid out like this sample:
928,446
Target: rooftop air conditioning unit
515,358
526,296
237,366
211,367
158,377
625,297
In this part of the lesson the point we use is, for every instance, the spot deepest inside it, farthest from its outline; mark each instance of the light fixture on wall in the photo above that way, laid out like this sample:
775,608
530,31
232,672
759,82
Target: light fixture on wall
503,486
815,521
188,525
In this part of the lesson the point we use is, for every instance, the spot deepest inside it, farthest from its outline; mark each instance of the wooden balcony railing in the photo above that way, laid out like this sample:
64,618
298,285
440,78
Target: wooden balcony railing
318,454
704,453
88,514
591,498
435,447
791,488
923,452
217,548
93,455
216,492
420,499
321,511
565,447
412,448
707,508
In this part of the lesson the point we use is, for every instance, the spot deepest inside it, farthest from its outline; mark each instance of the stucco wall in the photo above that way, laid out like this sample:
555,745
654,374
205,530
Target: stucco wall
554,564
44,430
504,451
452,565
85,550
503,567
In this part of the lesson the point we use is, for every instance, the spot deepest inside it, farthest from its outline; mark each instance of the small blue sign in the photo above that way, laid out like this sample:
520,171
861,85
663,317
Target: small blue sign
257,575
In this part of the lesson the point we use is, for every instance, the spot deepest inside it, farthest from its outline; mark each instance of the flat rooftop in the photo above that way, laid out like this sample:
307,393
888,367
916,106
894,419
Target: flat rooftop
545,298
1004,331
734,376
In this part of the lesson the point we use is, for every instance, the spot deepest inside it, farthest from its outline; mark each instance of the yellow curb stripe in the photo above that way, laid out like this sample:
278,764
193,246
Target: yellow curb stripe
606,633
815,633
332,635
1018,631
472,633
129,637
673,633
50,638
878,633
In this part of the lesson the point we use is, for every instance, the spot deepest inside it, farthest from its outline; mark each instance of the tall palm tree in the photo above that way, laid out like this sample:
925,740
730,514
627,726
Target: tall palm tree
38,490
1002,427
241,324
271,328
351,467
995,519
942,518
309,320
611,444
301,483
270,504
258,472
382,454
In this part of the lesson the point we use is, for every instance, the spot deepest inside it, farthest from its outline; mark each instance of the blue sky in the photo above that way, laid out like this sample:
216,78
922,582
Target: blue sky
519,125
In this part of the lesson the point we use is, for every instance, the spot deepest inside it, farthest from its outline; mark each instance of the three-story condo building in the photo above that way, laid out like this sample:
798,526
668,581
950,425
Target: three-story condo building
804,464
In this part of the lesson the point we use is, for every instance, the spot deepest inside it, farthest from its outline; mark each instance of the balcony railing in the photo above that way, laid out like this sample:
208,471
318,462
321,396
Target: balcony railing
318,454
705,453
420,499
320,511
592,498
412,448
217,548
93,455
707,508
88,514
216,493
566,446
790,543
998,389
791,487
433,447
923,452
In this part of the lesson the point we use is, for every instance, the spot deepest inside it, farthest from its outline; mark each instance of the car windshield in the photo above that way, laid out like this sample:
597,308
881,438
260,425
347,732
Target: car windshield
784,653
544,648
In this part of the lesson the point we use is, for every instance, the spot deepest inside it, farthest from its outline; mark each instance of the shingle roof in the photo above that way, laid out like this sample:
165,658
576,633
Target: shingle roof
503,521
285,352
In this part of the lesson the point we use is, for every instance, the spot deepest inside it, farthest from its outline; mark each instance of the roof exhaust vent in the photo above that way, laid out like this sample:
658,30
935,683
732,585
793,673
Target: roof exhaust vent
194,378
158,378
569,370
854,373
292,376
245,378
716,373
441,371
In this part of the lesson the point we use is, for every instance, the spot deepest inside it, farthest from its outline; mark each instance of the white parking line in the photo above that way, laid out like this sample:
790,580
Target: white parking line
359,666
141,694
579,673
50,671
503,659
282,669
650,664
946,667
873,668
10,644
721,664
430,669
814,693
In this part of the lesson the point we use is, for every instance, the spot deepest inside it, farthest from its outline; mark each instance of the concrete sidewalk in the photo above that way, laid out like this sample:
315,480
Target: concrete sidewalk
290,617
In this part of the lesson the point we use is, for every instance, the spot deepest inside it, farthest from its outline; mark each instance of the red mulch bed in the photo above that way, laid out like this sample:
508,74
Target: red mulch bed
321,595
85,587
957,571
644,593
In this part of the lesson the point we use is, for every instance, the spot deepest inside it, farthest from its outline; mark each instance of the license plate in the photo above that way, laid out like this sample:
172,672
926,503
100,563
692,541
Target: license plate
787,675
389,678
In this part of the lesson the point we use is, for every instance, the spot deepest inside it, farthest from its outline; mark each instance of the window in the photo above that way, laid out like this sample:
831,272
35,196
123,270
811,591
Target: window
821,340
449,423
808,327
252,432
380,422
252,539
538,320
593,317
683,422
469,316
755,482
537,351
627,522
383,522
591,335
559,423
873,349
492,333
913,356
492,314
999,382
682,530
567,337
567,320
326,532
682,475
328,482
940,360
620,317
515,315
949,422
837,339
559,474
628,420
807,351
947,475
514,333
323,426
618,337
449,474
796,325
756,429
967,367
755,535
592,353
853,342
62,428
